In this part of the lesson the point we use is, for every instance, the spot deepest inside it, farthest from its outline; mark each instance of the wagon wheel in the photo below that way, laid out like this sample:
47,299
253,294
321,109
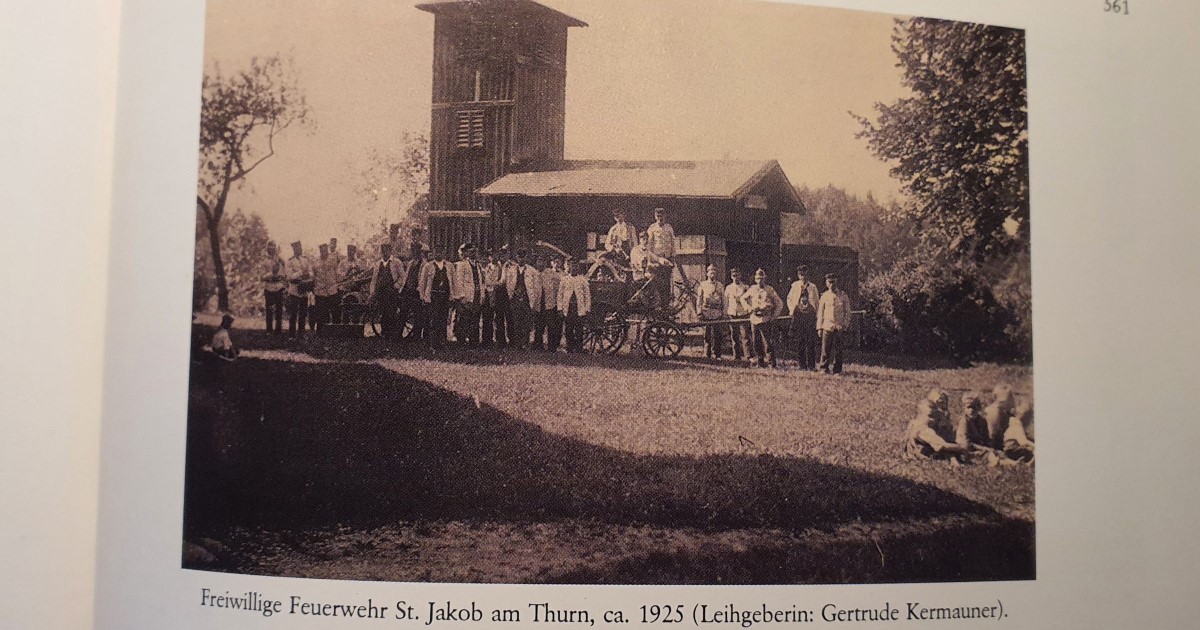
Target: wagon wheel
662,339
607,332
356,310
684,293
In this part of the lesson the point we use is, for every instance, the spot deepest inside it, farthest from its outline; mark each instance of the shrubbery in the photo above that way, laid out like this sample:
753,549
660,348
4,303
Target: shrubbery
925,306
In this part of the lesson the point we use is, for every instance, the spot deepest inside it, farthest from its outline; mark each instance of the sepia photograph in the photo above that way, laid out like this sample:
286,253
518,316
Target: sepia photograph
622,292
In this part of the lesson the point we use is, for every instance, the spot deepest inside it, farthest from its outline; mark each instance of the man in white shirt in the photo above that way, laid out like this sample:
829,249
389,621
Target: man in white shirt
764,305
574,302
739,331
493,277
660,237
710,304
621,237
299,278
548,332
524,286
802,304
469,284
326,273
274,287
833,320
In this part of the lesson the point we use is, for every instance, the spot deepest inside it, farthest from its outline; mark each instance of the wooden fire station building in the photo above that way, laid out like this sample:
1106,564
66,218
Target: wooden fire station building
498,174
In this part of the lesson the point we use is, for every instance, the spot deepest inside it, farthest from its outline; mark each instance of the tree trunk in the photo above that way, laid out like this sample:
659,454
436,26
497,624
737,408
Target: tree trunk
214,238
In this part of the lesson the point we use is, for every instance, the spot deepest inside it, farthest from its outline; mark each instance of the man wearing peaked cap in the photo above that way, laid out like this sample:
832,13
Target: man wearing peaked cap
274,288
833,320
764,305
469,288
802,302
300,281
383,292
710,304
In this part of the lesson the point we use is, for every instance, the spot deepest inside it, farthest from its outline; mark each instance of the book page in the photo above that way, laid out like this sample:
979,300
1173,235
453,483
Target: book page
598,314
59,70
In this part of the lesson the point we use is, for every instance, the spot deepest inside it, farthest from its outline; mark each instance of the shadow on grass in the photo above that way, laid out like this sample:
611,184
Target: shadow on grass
335,349
296,446
961,551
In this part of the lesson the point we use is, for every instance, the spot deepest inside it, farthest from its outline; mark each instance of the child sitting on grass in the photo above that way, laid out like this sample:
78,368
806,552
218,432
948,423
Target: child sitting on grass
222,344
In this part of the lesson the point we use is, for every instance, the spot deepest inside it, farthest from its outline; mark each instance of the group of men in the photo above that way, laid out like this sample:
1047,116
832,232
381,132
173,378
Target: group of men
510,299
649,253
756,315
493,298
1001,430
309,290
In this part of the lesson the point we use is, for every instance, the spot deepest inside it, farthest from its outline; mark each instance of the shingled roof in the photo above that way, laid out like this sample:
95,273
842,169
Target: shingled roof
722,179
529,7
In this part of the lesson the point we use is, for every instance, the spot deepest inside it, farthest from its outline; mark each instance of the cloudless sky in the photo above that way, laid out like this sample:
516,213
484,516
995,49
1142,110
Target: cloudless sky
660,79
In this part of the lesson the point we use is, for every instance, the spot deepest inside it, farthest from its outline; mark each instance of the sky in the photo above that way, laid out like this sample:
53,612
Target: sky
668,79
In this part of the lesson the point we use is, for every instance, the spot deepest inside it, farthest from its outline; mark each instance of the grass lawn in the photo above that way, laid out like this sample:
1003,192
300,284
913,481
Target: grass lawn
354,459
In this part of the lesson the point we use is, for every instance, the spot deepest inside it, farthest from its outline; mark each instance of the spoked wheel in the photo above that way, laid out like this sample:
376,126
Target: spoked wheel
607,332
662,339
355,310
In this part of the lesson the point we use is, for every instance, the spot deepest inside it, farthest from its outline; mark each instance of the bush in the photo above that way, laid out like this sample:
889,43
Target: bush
924,306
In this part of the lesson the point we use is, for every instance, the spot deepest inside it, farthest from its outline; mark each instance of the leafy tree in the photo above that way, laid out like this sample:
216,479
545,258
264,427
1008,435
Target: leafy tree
394,186
836,217
959,143
244,241
240,117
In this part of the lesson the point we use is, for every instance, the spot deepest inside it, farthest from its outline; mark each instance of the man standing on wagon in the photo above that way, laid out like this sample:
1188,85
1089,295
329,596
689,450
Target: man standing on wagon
660,237
621,237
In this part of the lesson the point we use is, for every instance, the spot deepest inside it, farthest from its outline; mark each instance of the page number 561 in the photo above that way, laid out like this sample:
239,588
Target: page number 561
1116,7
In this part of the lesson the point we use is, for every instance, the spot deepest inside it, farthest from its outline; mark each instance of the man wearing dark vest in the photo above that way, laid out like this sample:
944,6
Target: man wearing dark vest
410,295
502,311
802,302
524,287
383,291
436,288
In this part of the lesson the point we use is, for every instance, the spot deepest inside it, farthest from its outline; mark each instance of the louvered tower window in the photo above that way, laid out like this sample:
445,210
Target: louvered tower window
470,129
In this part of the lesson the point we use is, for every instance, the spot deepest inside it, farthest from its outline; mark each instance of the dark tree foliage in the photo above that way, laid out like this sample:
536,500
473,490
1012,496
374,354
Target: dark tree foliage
240,117
960,142
836,217
243,241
